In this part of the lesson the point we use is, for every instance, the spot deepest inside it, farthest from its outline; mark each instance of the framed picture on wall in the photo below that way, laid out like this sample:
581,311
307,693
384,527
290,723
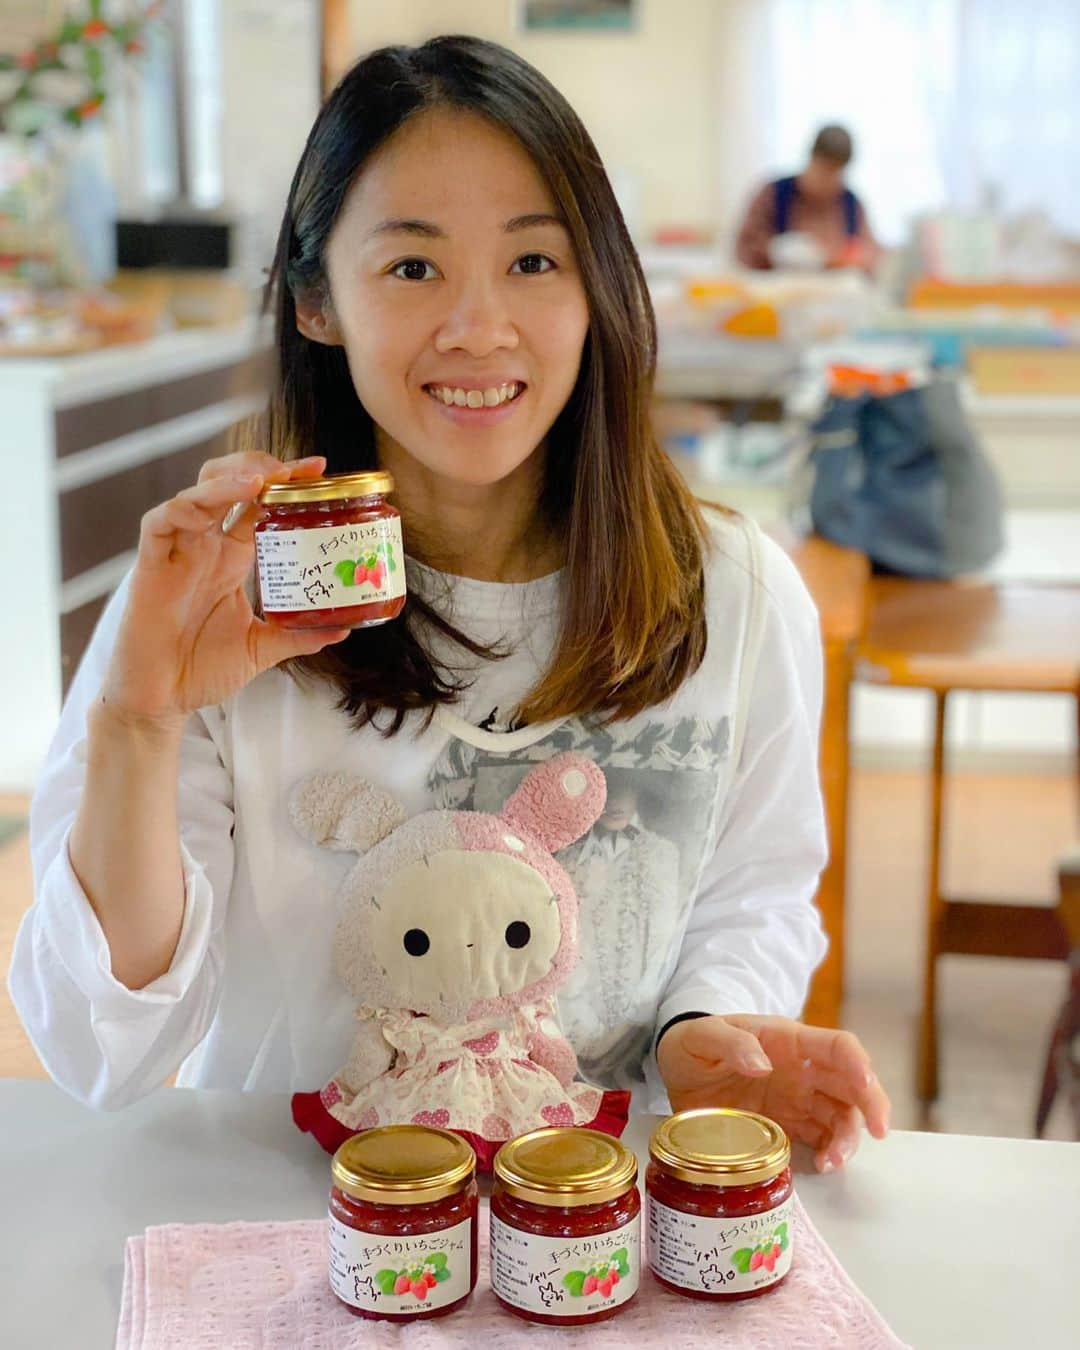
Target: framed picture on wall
581,16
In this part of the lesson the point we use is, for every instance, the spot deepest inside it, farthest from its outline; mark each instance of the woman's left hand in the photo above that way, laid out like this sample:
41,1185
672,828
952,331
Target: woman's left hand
817,1083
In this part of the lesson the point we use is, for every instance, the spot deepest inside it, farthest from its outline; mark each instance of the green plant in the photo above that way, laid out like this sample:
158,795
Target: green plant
77,49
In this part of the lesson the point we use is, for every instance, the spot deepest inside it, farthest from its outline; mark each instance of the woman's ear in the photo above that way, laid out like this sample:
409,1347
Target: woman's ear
315,318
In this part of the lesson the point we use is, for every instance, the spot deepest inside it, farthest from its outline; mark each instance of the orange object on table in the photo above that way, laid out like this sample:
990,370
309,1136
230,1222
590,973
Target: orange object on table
755,321
850,381
934,293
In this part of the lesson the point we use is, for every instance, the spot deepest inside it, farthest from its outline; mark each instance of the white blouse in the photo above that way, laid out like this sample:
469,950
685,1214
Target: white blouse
696,888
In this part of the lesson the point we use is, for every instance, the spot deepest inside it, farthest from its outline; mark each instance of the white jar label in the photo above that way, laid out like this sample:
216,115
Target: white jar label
720,1256
565,1277
331,566
400,1274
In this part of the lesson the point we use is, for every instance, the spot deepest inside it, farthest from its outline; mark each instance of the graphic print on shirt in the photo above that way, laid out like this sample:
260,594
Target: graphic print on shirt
635,872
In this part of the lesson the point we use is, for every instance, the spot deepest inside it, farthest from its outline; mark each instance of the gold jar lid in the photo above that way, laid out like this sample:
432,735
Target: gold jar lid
720,1147
565,1167
337,487
403,1165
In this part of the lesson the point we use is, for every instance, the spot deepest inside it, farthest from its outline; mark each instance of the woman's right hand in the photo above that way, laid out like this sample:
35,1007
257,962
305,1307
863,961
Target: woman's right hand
189,636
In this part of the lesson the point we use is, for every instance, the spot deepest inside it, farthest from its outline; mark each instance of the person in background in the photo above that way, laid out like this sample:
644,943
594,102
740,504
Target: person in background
815,206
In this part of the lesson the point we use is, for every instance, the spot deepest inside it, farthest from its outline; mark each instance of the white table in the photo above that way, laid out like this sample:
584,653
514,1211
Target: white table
960,1242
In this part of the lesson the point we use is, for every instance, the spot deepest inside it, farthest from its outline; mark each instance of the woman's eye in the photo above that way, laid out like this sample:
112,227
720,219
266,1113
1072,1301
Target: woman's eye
533,264
413,269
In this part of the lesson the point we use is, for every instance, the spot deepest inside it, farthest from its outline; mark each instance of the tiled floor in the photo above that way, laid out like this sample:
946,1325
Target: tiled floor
1005,833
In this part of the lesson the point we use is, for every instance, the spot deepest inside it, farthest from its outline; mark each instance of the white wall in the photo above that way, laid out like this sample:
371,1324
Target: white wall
252,95
648,97
270,60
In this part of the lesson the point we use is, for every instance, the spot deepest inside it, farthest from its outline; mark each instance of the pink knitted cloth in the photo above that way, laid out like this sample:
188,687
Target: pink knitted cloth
263,1286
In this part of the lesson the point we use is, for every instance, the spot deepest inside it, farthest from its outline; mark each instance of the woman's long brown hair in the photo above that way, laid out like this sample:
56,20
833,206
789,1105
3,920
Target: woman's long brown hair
633,615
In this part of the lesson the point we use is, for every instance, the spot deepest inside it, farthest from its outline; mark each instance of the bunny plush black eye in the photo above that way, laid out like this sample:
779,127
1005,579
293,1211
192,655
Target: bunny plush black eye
518,934
417,941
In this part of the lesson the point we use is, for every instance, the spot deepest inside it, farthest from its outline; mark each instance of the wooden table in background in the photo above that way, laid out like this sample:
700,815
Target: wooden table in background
839,580
943,636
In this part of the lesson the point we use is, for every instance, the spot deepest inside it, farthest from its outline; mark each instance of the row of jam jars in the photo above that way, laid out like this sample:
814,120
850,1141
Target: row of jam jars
565,1218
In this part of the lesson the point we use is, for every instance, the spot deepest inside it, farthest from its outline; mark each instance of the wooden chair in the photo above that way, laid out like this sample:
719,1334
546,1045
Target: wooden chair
1062,1069
944,636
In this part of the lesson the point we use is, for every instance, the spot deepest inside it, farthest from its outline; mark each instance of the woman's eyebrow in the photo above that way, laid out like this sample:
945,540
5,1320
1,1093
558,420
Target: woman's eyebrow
427,229
533,219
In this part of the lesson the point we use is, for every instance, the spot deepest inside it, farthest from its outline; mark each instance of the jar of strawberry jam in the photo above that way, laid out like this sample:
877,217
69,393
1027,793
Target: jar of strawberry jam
719,1204
402,1223
329,553
565,1227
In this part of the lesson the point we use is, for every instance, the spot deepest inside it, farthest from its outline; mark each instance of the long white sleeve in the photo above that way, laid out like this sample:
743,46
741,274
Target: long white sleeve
754,936
104,1043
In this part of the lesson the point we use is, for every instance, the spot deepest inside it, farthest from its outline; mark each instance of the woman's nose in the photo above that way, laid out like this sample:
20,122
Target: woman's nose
477,323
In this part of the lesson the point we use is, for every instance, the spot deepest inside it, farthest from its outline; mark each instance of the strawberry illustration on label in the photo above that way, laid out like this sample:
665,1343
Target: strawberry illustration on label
765,1254
601,1277
416,1280
372,568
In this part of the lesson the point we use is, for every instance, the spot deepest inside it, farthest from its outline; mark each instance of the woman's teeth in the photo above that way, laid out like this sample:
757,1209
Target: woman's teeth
475,398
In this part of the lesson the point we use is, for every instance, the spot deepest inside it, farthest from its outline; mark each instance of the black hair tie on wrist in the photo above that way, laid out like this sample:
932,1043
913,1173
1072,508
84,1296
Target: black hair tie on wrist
682,1017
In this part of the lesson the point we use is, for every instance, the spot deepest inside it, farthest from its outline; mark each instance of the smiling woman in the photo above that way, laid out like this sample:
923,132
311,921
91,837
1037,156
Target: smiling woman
482,326
458,301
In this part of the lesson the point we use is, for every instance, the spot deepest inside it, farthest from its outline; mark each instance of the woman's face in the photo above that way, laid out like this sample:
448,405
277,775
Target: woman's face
455,291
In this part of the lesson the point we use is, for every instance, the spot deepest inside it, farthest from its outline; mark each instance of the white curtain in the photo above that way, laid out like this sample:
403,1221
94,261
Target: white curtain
951,102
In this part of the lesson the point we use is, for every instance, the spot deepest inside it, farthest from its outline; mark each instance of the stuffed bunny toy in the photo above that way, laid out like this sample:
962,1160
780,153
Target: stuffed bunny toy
456,929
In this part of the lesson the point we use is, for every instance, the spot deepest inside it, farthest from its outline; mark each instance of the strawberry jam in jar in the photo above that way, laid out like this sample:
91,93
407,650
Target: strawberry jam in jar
329,554
565,1227
719,1204
402,1223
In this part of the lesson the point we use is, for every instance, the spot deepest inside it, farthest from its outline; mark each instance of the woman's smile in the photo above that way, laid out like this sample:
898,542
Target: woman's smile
476,405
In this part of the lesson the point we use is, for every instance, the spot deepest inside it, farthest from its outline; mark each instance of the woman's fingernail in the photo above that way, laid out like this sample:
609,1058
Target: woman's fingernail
828,1165
757,1064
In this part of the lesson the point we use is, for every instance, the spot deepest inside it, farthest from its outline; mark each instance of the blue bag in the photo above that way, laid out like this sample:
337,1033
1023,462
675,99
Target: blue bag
902,479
